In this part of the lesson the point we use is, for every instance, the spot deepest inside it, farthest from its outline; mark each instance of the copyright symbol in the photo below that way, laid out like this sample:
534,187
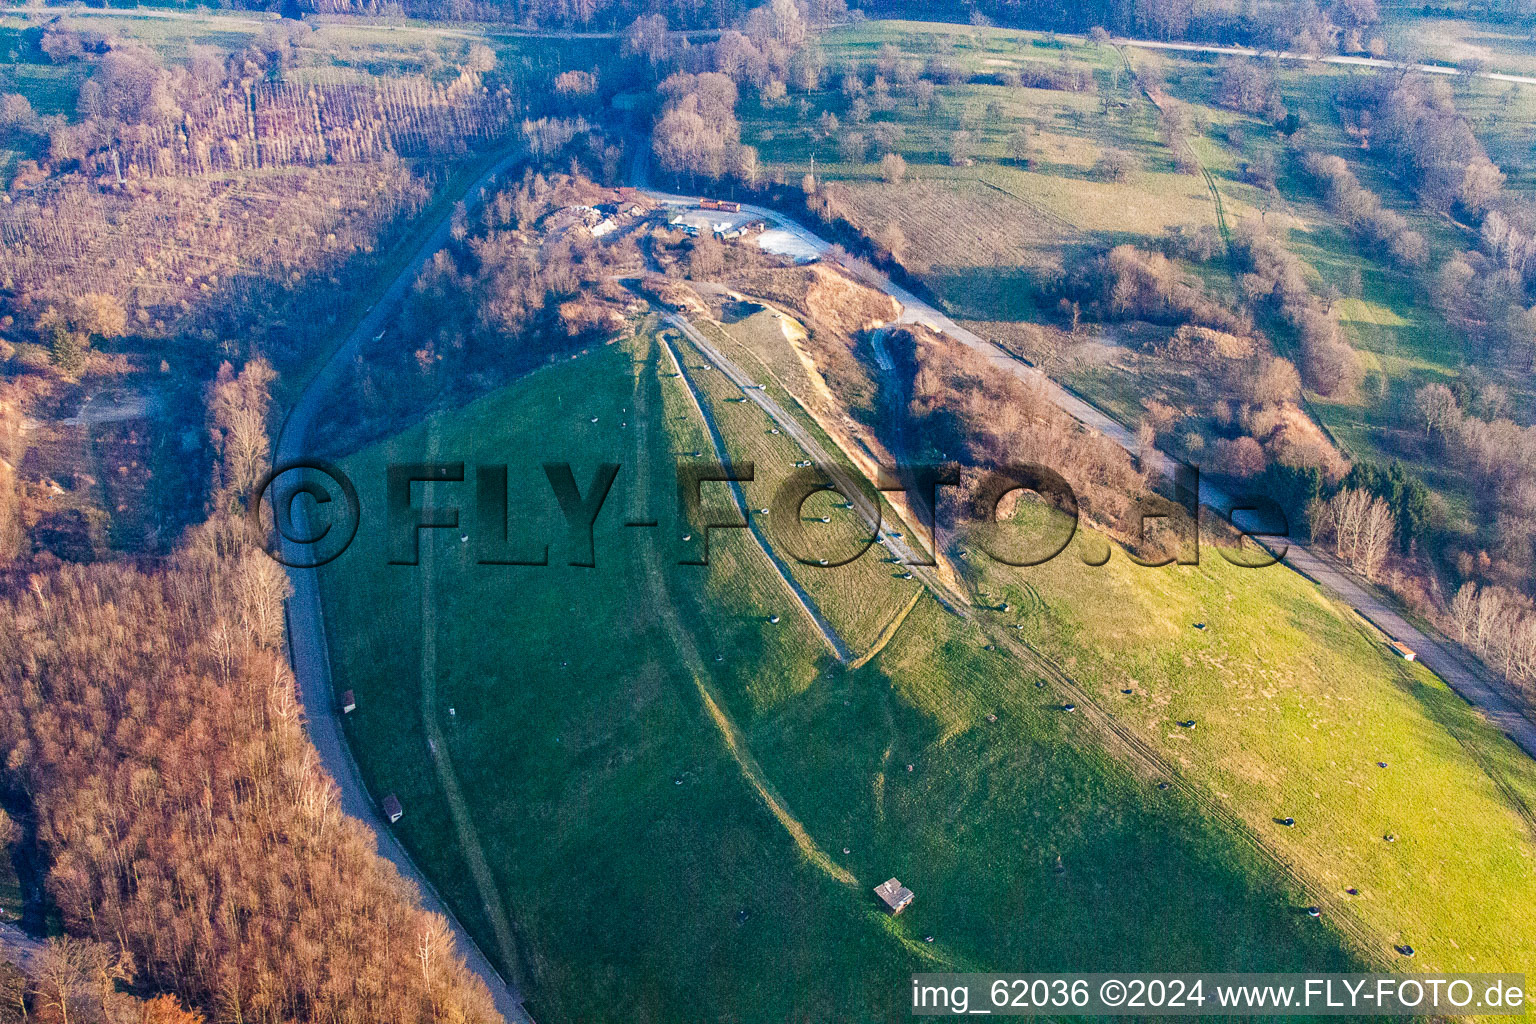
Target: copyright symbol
1112,992
309,533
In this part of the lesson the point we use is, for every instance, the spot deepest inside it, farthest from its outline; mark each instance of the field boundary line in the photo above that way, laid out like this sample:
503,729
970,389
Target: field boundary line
1055,218
887,633
840,650
458,807
735,745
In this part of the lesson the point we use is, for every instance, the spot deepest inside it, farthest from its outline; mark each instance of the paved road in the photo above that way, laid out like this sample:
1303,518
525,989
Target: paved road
1442,656
893,541
1471,681
1350,61
739,495
306,621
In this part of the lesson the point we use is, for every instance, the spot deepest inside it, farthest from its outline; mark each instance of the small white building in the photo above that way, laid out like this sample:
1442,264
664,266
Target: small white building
894,895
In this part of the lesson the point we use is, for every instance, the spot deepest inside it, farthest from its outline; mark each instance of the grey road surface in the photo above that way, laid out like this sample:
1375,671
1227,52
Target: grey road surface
1344,59
306,622
1473,683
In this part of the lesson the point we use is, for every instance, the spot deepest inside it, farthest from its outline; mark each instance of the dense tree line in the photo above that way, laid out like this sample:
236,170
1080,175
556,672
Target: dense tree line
1499,457
1490,291
1498,624
151,722
984,416
1275,279
593,15
1412,119
1249,86
521,282
696,132
1146,285
1361,211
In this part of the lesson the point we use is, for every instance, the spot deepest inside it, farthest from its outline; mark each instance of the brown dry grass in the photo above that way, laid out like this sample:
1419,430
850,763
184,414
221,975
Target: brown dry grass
957,224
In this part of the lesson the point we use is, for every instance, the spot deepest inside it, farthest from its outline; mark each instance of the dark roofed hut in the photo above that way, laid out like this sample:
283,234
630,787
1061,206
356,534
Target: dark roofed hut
392,809
894,895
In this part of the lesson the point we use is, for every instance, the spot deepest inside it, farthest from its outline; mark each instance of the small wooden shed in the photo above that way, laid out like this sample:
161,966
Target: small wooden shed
1403,651
894,895
348,702
392,809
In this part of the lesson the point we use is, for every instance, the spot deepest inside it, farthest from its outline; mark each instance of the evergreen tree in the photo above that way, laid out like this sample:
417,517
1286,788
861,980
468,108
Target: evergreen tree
67,349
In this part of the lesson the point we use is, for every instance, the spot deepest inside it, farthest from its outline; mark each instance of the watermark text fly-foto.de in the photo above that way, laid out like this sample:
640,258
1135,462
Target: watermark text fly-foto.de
316,511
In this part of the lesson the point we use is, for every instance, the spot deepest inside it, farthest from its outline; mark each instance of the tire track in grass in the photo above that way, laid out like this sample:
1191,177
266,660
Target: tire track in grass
1129,745
656,579
887,633
807,604
1368,942
447,778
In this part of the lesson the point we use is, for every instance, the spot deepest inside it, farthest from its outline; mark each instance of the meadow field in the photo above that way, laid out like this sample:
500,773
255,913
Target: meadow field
1300,711
990,234
663,782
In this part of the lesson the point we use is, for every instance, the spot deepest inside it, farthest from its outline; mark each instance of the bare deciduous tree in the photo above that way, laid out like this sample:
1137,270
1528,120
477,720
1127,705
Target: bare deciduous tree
1437,408
238,405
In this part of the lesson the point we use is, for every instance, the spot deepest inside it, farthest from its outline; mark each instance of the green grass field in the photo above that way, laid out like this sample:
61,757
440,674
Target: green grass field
666,830
982,236
1295,702
982,231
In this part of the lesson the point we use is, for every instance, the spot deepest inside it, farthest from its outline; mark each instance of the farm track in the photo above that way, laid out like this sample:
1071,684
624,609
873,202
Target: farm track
655,579
1368,941
442,762
717,440
1210,180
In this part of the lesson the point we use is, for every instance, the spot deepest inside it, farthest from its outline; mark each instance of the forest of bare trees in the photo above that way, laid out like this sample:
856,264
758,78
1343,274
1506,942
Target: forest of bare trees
1414,121
1360,525
151,723
263,184
1498,625
525,280
984,416
194,847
